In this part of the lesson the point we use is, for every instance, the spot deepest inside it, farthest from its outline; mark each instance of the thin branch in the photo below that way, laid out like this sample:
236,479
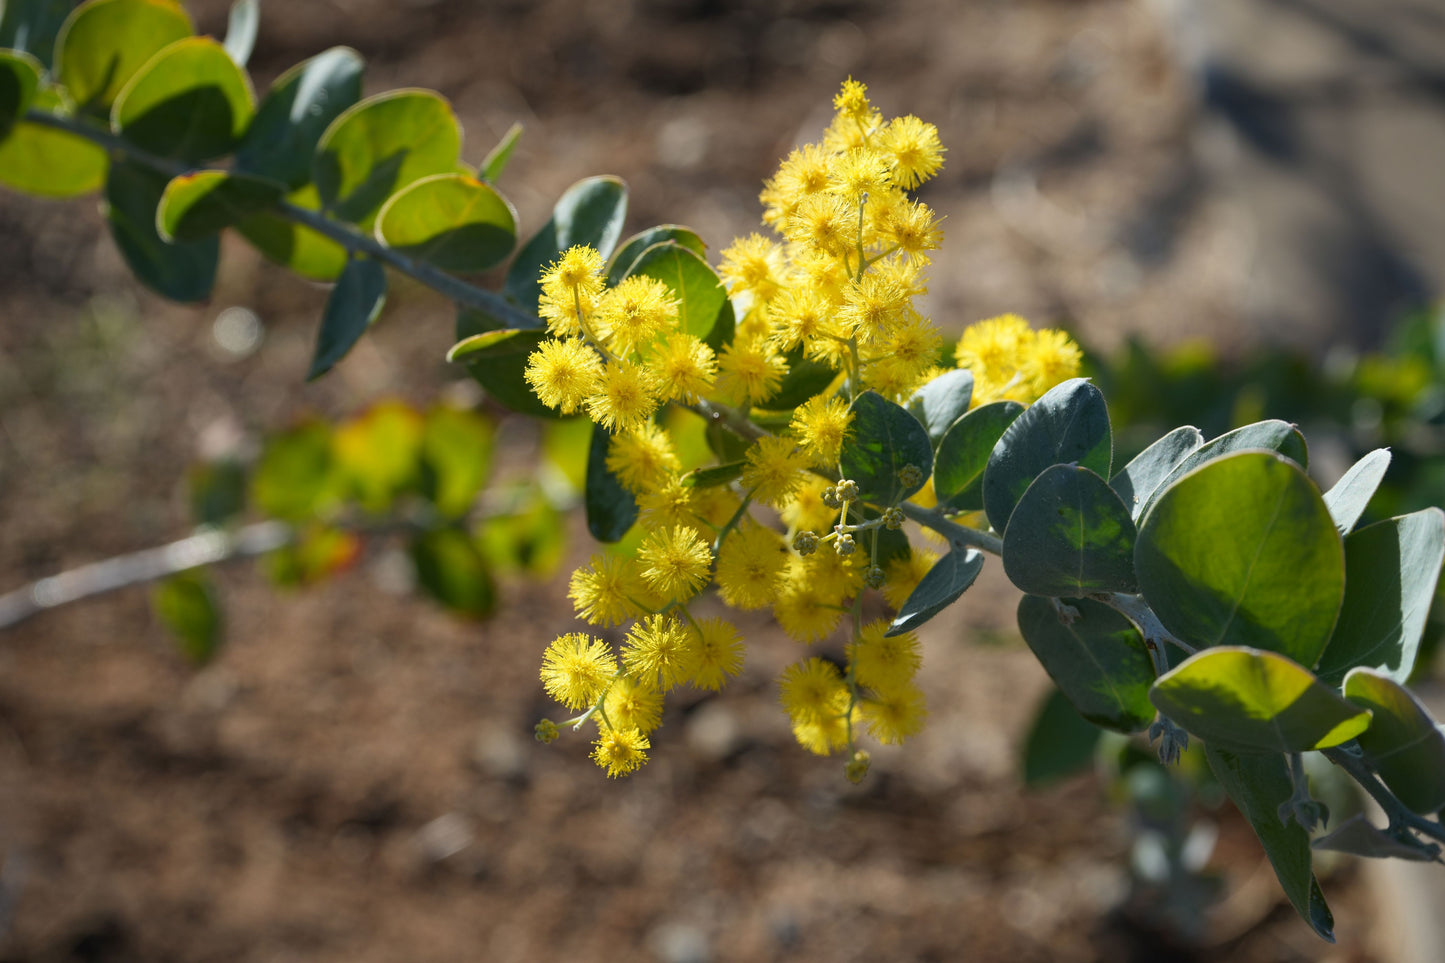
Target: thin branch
1399,815
959,536
1138,611
137,568
450,286
729,418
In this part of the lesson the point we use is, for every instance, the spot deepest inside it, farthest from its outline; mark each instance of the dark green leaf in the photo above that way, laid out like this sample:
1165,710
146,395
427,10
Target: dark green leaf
241,27
611,509
1351,494
295,112
377,147
457,454
203,203
589,212
1250,700
1061,743
105,42
949,578
292,246
1272,435
1403,744
1259,784
700,294
1139,479
19,80
184,271
51,163
1070,536
496,160
1069,424
30,26
451,220
295,480
189,102
217,490
1358,838
941,402
1098,660
883,440
1242,551
1390,572
964,451
452,571
186,604
497,358
353,305
632,248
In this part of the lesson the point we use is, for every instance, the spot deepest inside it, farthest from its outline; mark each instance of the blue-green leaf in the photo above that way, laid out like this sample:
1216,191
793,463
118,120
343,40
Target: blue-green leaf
19,80
186,604
1272,435
295,112
1349,497
1403,744
452,571
189,102
184,271
203,203
941,402
1095,656
964,451
241,27
453,221
1061,743
353,305
496,160
1138,480
631,249
103,43
949,578
30,26
497,358
884,440
1070,536
1069,424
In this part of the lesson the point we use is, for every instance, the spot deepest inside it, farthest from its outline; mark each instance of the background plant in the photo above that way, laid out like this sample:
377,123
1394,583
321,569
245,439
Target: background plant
147,173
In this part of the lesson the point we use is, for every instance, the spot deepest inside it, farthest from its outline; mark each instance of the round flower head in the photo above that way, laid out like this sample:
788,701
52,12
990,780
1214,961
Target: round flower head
774,469
633,704
660,649
570,285
642,458
625,398
894,714
675,562
719,653
812,691
821,424
563,372
576,669
603,590
750,370
913,150
631,314
881,661
754,265
620,751
1052,358
682,367
748,566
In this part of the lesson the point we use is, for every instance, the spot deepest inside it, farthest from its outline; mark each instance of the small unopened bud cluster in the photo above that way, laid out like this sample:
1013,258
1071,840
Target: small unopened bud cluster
911,476
805,543
845,545
856,768
893,519
874,577
847,490
545,731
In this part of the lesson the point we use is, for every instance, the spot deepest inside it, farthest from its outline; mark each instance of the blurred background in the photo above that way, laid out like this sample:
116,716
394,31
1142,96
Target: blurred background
1237,206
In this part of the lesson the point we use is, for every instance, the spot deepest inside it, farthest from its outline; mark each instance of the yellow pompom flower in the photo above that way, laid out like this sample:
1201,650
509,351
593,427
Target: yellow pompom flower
748,565
821,424
563,372
715,505
719,653
642,458
634,312
750,371
682,367
913,149
625,397
632,704
813,691
911,227
824,222
774,469
669,504
804,172
805,615
660,649
576,669
574,280
604,591
852,101
881,661
675,562
1052,358
894,714
858,174
620,751
805,510
797,317
753,265
993,350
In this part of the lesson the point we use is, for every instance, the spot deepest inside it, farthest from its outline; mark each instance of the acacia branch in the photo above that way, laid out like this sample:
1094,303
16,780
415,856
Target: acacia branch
448,285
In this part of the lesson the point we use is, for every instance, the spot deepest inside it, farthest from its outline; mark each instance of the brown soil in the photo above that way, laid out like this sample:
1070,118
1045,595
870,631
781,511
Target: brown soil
354,778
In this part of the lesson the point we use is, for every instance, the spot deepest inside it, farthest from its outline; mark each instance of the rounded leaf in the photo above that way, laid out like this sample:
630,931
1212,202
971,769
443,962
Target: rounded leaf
1250,700
19,80
497,358
295,112
942,401
883,441
611,508
633,247
1060,743
1352,493
186,604
456,456
1096,657
964,451
450,220
203,203
182,271
1070,536
190,102
452,571
1403,744
1139,479
377,147
1069,424
1272,435
1390,572
104,42
1242,551
42,160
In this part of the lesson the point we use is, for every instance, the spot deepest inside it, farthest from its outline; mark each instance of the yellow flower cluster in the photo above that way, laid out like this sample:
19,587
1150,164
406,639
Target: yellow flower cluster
835,287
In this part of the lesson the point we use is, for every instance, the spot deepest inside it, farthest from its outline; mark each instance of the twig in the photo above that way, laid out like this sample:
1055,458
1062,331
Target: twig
137,568
452,287
959,536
